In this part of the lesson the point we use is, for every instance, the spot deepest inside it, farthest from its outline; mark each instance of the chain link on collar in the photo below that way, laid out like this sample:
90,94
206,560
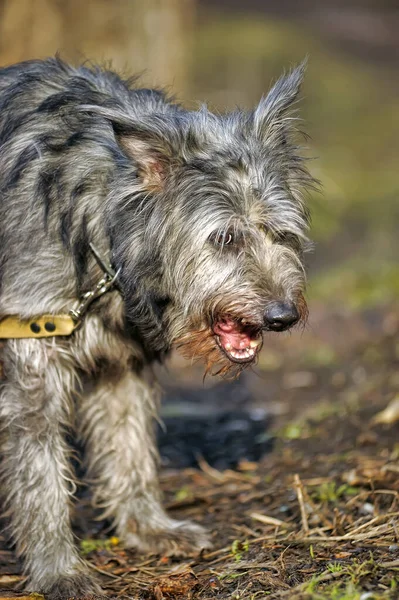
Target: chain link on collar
106,283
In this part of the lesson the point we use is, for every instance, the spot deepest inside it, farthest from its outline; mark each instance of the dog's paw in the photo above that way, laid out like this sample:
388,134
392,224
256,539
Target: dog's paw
180,538
74,587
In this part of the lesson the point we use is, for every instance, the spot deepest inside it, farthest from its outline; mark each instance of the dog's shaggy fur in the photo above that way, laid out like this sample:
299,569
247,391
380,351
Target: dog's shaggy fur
202,216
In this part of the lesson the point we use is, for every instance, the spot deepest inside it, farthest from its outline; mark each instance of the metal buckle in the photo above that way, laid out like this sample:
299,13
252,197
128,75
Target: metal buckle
105,284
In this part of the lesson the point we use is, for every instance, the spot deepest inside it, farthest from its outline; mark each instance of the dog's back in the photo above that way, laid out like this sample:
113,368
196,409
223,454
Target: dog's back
56,162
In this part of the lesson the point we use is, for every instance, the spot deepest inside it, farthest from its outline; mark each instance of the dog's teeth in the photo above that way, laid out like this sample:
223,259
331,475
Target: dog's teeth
228,346
254,343
241,353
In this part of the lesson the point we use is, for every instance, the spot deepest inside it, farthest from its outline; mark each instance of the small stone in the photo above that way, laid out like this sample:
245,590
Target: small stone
367,509
314,519
393,548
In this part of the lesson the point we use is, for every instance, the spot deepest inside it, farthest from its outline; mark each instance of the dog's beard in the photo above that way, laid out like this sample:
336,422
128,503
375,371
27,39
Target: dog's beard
201,344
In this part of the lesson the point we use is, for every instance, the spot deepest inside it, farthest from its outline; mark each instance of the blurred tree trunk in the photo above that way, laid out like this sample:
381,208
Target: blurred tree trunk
135,35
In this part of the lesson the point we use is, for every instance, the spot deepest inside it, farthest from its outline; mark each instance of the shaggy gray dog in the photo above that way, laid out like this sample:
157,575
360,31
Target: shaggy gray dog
202,218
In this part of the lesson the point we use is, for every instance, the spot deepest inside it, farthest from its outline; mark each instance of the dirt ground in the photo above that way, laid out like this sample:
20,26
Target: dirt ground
317,516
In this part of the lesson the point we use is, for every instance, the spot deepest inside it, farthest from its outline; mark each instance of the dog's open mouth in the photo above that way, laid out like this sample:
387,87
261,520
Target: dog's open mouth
239,340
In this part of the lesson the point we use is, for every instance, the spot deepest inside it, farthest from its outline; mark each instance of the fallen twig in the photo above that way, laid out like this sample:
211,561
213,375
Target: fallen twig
268,520
299,492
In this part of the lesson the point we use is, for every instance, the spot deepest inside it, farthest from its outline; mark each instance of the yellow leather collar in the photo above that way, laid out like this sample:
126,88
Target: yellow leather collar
41,327
44,326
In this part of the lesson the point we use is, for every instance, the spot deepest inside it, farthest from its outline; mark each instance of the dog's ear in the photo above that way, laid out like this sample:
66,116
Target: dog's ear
273,108
151,143
152,156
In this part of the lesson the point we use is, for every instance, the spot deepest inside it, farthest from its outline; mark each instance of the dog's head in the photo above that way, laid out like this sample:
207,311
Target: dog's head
218,226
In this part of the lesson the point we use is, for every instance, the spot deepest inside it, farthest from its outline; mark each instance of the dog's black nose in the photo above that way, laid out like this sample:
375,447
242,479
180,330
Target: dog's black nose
280,316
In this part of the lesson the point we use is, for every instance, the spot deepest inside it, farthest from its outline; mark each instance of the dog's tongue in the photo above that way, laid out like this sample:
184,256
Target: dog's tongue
230,336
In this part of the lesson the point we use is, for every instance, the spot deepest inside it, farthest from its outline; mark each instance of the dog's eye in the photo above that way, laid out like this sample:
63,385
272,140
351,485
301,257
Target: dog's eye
228,239
222,238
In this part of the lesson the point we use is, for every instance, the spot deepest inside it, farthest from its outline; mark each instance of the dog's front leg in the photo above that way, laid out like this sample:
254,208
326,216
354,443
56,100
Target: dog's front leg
117,421
37,479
